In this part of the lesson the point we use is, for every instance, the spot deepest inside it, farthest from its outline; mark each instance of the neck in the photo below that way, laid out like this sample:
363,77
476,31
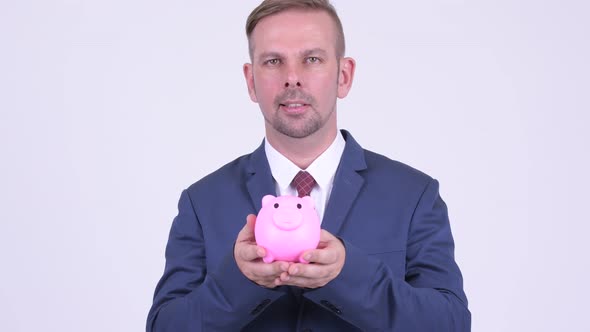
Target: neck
302,151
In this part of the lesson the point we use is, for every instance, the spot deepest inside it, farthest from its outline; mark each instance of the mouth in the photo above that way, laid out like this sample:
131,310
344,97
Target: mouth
293,107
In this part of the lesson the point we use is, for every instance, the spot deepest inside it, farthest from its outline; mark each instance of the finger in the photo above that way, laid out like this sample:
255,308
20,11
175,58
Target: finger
268,272
247,232
316,255
275,269
326,239
327,255
326,236
313,271
251,220
250,252
278,282
284,276
304,282
280,268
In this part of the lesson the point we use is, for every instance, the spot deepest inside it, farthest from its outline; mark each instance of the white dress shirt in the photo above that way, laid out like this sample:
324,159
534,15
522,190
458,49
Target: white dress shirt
322,169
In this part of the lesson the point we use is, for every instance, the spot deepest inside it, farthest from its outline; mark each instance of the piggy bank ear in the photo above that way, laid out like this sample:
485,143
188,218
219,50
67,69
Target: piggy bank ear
266,200
308,201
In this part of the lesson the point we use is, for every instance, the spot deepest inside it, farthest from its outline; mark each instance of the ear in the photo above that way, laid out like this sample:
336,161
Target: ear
266,200
308,201
249,76
345,76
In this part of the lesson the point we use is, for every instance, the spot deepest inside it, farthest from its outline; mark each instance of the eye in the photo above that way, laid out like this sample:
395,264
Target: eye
272,62
276,205
313,59
299,206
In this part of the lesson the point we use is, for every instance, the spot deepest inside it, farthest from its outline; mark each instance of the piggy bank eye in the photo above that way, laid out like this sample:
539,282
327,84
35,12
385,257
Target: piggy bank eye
276,205
299,206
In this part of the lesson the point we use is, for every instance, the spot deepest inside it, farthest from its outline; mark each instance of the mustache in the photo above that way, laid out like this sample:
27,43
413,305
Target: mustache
293,94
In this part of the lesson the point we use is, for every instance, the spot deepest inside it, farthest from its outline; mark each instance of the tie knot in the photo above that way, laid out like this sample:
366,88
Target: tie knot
304,182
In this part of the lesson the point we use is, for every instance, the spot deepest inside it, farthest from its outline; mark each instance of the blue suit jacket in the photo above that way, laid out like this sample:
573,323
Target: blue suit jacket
399,275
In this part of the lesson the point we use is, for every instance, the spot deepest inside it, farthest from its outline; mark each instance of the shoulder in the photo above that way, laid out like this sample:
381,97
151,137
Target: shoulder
380,171
393,172
229,176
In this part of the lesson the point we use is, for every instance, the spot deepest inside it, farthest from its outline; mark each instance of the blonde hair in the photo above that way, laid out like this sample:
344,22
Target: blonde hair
271,7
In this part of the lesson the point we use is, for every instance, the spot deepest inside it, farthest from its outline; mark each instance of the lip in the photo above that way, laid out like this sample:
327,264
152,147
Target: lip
293,106
293,101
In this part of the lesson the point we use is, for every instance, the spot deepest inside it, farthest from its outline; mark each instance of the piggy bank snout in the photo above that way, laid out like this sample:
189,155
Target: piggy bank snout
287,219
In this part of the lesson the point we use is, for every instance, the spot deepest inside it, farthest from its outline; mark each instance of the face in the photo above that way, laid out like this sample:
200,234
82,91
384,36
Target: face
295,75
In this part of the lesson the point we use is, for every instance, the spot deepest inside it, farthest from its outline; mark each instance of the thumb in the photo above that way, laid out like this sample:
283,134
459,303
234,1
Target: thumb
326,236
247,233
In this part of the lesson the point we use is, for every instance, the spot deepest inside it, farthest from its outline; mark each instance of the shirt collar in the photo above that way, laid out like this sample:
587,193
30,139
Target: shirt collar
322,169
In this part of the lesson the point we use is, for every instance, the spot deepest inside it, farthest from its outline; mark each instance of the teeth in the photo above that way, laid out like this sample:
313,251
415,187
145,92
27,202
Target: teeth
294,105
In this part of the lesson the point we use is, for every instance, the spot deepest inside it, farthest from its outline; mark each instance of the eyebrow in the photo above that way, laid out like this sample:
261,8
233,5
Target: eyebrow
305,53
316,50
269,55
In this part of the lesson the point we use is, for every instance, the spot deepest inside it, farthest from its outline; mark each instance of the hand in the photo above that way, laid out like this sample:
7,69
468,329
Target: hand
326,263
248,256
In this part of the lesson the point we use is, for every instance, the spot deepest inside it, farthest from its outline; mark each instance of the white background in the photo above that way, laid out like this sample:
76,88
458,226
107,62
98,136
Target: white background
110,108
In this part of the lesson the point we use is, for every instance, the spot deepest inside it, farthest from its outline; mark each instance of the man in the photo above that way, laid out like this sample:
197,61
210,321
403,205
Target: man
385,259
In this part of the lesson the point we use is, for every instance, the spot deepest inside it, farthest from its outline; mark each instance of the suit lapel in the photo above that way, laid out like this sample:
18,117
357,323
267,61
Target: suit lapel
347,182
259,182
347,185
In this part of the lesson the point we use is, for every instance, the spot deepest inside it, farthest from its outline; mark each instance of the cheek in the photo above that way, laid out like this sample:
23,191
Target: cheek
266,84
325,77
324,86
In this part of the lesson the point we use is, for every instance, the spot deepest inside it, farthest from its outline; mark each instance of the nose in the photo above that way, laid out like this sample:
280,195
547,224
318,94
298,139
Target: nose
292,84
293,78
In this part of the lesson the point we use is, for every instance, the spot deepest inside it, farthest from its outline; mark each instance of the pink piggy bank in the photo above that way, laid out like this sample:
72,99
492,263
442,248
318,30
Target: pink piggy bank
286,226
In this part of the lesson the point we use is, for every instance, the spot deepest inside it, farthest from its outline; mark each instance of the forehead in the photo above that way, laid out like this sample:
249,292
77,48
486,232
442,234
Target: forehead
294,30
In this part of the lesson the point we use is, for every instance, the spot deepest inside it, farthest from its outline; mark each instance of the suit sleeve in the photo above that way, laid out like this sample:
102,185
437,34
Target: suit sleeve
429,298
190,298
